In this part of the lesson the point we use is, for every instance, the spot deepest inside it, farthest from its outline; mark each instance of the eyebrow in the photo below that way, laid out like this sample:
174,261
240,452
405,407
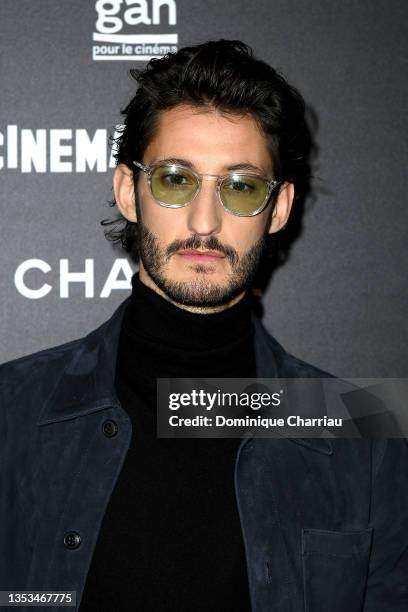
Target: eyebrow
188,164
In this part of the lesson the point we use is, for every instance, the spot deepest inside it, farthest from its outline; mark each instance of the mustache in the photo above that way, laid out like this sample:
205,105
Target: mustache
197,242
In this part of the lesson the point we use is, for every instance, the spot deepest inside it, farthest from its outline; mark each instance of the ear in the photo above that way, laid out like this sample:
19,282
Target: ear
282,208
123,187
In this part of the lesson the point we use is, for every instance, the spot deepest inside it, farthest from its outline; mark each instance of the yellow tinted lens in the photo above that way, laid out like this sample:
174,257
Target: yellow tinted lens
173,185
243,194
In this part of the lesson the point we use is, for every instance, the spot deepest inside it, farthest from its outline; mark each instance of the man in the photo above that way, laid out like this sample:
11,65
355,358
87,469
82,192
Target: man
211,159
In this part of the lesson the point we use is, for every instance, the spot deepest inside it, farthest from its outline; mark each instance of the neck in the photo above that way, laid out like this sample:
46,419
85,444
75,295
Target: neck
147,280
168,341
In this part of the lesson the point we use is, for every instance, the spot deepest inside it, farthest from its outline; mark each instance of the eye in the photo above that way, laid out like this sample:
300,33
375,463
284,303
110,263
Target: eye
240,186
175,179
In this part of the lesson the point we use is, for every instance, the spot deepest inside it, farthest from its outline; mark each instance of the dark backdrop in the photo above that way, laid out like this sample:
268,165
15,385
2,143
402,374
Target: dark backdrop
340,300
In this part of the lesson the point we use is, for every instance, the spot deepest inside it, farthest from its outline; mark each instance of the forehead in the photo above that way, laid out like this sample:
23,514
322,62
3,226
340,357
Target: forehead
209,139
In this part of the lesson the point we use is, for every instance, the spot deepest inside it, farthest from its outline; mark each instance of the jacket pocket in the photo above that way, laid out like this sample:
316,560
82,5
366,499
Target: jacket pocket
335,565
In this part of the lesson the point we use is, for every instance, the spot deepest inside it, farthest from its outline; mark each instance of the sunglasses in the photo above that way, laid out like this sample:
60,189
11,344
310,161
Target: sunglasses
244,194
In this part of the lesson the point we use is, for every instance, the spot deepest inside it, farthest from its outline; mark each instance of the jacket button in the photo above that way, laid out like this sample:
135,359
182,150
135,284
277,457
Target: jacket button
110,428
72,540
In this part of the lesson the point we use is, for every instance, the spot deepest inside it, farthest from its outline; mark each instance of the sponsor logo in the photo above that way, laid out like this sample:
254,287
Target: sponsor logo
127,29
33,281
56,150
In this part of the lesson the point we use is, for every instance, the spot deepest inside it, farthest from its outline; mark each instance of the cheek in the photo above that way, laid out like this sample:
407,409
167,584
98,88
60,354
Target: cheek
243,233
163,222
151,212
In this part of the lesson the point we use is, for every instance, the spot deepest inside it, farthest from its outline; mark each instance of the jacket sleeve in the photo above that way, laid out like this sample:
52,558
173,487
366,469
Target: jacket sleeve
387,581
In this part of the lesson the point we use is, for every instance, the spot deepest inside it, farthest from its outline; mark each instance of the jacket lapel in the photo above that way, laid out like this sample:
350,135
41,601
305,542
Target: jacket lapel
86,383
272,362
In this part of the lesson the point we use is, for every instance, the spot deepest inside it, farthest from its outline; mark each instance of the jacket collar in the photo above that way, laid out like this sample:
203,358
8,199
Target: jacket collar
86,384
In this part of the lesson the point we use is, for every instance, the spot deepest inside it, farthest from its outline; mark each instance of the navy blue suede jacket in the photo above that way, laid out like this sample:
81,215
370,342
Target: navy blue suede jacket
324,521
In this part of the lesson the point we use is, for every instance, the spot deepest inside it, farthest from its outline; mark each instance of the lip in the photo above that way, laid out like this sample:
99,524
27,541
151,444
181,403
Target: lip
201,255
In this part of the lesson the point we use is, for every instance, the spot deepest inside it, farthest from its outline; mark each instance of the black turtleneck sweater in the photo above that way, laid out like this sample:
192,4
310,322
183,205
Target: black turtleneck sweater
171,539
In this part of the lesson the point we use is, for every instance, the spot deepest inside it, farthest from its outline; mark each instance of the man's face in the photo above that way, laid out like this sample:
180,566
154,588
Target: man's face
201,255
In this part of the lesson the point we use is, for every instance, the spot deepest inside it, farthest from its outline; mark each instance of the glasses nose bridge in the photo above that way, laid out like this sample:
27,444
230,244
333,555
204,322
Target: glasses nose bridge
210,177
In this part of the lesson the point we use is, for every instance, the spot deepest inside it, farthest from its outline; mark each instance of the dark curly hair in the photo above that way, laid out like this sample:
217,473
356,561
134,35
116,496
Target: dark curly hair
224,75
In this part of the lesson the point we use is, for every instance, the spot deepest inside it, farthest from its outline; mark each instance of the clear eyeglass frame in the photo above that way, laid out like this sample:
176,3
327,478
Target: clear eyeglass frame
271,184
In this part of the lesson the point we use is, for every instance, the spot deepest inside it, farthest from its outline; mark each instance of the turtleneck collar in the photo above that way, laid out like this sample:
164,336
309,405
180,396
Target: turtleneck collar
152,317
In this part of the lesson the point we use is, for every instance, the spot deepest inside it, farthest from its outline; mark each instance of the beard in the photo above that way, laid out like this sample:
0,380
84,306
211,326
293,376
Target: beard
202,291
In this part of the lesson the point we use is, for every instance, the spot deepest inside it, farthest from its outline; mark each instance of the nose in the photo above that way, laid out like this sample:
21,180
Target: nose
204,213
